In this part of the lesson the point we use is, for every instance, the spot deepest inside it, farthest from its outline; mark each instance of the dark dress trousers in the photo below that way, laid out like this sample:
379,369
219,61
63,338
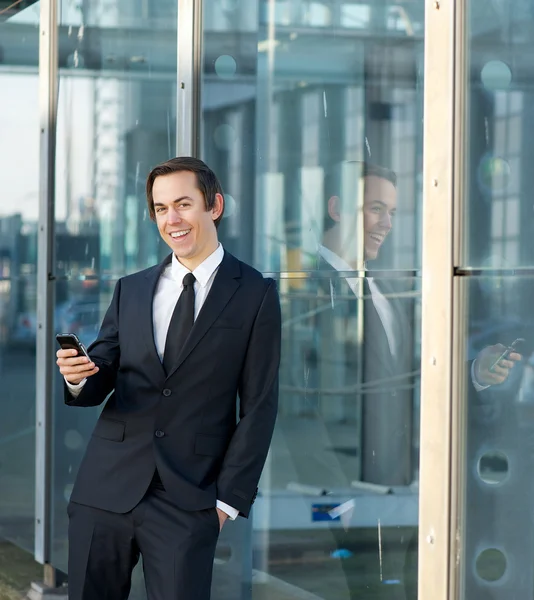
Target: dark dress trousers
205,426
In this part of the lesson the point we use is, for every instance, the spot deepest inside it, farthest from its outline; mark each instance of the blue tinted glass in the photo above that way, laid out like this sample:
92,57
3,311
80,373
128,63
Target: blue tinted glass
312,119
19,205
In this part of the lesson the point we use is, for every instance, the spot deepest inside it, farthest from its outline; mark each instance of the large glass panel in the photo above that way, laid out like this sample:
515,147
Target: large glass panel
499,208
498,553
498,549
19,206
312,118
116,120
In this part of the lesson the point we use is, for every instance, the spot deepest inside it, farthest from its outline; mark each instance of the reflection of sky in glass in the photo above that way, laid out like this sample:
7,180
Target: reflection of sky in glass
19,123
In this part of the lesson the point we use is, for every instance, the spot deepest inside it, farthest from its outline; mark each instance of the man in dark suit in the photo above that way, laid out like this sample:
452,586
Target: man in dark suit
369,319
363,358
169,461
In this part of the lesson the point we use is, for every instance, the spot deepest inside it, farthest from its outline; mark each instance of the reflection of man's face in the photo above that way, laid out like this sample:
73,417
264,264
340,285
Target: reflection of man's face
379,208
376,219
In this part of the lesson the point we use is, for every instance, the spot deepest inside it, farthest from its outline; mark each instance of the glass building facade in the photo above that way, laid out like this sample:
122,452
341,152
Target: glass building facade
375,161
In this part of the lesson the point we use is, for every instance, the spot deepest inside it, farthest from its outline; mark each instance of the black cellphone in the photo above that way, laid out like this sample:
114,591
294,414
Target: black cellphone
513,347
70,341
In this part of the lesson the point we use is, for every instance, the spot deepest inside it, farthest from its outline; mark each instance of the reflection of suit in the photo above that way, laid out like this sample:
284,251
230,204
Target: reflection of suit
183,422
366,382
374,373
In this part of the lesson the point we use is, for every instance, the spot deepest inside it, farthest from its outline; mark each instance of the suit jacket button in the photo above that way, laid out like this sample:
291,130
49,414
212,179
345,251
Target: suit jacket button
159,433
167,393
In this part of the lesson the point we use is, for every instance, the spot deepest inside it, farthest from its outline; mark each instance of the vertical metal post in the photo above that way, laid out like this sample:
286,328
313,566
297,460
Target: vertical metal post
269,182
48,99
439,355
189,78
458,488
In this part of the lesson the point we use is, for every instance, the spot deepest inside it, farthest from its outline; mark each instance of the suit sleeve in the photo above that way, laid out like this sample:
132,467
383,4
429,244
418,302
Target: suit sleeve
478,387
105,353
258,399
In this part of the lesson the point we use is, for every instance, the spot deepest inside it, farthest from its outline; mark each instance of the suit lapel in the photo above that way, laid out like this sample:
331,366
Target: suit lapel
376,341
223,288
401,309
377,349
378,357
146,318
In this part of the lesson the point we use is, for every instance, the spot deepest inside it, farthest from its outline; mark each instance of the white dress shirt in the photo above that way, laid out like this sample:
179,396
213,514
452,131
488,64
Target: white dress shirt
381,303
168,290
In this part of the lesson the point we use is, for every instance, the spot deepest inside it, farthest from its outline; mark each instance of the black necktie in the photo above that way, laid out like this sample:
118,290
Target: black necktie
181,323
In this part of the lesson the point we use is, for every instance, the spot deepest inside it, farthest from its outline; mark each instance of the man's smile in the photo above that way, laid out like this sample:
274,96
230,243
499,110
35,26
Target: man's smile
179,234
377,237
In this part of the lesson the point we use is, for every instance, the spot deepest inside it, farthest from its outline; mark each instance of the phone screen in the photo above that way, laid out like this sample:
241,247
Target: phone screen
513,347
69,341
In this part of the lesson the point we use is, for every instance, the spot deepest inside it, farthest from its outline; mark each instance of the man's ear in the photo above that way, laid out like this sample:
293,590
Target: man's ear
218,207
334,208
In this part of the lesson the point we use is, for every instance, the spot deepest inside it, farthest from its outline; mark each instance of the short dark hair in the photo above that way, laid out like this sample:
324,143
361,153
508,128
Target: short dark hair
207,181
332,184
377,171
367,170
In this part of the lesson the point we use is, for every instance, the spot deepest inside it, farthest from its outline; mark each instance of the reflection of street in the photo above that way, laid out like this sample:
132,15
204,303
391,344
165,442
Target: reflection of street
304,560
17,445
80,315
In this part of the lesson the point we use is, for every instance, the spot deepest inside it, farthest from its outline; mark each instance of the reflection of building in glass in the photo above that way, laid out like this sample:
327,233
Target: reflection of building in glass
291,90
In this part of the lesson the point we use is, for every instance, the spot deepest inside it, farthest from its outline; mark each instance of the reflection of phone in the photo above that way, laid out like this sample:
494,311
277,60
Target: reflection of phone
70,341
513,347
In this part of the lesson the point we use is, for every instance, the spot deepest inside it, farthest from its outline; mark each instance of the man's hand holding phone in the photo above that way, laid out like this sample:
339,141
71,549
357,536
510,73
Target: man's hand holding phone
73,361
493,364
73,367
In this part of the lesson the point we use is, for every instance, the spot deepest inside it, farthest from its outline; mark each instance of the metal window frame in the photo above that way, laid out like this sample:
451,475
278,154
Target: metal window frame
189,77
443,314
459,369
48,100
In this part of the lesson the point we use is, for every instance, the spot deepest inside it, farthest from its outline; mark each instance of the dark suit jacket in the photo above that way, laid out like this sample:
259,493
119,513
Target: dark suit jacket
185,424
341,360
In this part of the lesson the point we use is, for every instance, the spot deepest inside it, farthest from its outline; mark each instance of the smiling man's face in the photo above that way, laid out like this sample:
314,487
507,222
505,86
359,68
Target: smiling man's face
376,218
182,219
379,209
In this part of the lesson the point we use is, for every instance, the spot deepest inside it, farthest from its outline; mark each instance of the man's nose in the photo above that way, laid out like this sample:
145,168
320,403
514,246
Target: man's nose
173,215
386,221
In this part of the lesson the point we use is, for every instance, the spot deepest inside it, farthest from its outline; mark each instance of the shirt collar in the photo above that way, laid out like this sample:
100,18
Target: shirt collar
203,272
335,261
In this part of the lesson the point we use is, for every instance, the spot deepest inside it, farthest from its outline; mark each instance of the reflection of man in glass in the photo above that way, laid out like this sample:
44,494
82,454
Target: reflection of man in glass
378,209
492,365
364,355
359,218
